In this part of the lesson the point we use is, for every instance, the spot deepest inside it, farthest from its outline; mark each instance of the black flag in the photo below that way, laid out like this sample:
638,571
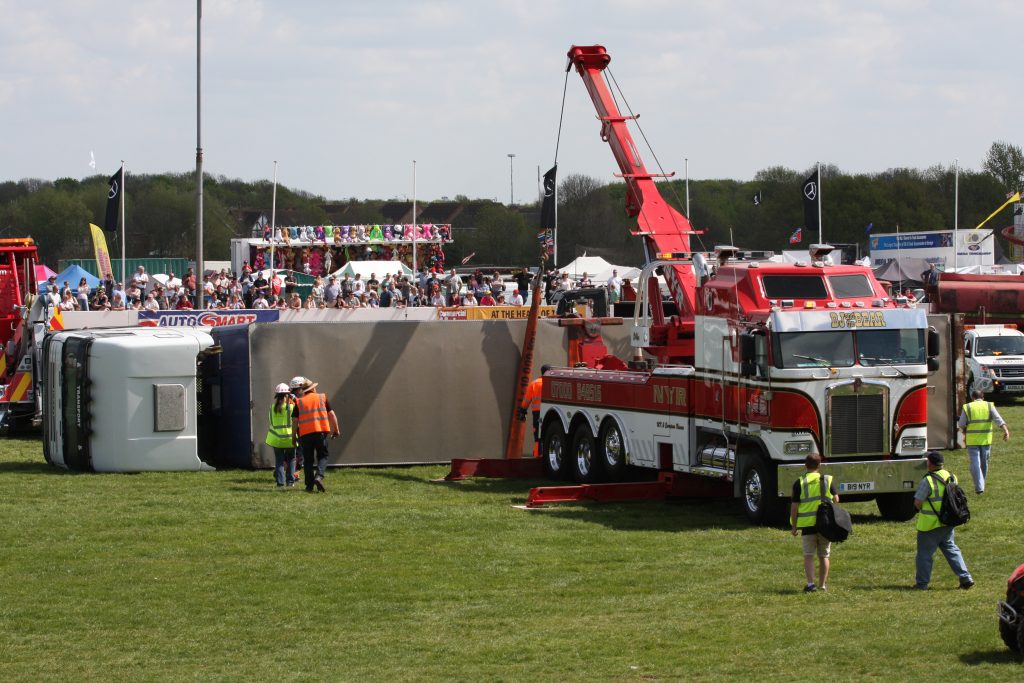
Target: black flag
114,200
547,207
812,199
757,198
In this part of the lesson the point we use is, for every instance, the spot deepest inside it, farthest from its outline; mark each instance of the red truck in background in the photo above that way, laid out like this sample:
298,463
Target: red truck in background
20,310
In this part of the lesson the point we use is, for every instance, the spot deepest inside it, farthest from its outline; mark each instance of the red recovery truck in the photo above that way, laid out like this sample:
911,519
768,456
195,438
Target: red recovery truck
764,363
19,307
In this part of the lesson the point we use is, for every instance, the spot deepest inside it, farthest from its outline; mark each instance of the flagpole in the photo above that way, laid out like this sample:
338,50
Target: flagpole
122,226
687,165
956,212
200,269
414,271
819,204
273,224
554,232
899,260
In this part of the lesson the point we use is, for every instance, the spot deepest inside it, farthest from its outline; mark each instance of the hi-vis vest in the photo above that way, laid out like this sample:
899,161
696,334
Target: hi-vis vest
927,517
531,399
979,423
311,413
813,486
279,435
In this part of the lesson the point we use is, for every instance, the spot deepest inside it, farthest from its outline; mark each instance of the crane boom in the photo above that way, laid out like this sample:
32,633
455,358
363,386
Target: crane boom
662,227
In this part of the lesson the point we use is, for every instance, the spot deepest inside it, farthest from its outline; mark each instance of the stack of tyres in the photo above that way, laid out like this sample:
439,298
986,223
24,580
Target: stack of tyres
1011,612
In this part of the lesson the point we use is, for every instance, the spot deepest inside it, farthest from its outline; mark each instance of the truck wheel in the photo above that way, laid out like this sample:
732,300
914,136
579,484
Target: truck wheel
612,451
898,507
553,451
760,503
1009,633
585,464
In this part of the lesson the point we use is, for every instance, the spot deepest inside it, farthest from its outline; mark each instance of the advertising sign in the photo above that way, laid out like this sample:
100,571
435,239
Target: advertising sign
206,318
972,247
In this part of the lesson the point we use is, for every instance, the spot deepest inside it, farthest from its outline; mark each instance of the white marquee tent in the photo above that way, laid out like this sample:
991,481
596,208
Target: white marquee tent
381,268
597,269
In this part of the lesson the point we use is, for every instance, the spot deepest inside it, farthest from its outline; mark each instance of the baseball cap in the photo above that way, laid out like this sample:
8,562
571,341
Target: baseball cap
935,458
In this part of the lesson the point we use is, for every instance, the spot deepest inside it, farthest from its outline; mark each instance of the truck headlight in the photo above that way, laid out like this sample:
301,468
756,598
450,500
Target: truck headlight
913,443
798,447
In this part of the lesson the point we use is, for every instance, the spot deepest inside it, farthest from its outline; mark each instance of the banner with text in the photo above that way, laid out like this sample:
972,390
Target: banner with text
206,318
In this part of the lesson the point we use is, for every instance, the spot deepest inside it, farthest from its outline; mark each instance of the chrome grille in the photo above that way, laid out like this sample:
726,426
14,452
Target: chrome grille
858,423
1010,372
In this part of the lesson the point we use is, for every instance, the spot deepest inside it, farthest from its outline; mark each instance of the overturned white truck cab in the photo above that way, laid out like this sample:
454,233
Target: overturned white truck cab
122,400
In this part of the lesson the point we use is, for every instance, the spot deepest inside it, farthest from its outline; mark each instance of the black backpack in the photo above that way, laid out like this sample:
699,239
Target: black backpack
954,511
832,521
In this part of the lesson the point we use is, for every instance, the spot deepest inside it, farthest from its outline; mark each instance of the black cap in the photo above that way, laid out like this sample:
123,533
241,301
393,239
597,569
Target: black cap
935,458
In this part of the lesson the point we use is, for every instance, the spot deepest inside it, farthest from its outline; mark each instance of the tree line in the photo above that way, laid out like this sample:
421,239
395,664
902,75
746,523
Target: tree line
160,211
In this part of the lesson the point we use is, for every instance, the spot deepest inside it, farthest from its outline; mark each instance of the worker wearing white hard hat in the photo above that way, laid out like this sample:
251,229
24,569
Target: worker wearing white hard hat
279,436
312,422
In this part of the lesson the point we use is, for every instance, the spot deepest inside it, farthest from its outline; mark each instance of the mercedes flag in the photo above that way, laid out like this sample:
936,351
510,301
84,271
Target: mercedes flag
547,207
812,197
114,200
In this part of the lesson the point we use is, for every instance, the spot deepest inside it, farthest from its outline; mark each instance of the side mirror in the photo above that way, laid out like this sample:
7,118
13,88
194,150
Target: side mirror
933,342
748,365
932,346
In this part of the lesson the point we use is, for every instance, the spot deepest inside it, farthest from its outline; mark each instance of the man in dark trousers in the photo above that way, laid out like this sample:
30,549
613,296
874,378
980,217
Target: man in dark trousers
313,421
932,534
803,516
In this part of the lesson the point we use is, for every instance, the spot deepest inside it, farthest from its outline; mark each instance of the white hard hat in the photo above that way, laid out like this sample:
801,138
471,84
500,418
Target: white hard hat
281,388
297,382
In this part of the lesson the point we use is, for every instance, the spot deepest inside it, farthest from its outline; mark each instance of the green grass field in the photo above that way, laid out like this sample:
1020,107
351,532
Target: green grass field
387,576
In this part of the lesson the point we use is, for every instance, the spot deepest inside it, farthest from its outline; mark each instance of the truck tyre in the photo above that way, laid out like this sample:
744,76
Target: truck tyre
585,465
611,451
1010,634
757,492
554,451
898,507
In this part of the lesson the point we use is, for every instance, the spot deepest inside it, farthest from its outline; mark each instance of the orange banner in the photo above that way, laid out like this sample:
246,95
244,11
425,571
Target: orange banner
495,312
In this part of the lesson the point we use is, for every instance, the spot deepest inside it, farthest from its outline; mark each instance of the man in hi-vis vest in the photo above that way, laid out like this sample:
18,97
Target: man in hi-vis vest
976,421
808,491
313,421
932,534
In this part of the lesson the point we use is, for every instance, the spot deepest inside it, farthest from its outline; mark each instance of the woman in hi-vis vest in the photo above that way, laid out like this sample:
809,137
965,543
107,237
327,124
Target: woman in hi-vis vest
279,436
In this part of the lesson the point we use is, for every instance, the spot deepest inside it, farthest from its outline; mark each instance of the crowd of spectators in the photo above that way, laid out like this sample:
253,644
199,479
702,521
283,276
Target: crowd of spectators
252,289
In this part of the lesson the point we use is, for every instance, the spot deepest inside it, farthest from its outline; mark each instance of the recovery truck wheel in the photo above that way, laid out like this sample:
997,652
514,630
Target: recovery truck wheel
760,503
898,507
611,451
1009,633
585,464
554,451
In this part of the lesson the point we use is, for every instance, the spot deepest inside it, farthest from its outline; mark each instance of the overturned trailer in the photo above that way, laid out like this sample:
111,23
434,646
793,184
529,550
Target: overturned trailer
406,392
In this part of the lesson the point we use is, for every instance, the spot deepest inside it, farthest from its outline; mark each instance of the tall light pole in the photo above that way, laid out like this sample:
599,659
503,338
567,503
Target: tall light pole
199,158
414,271
511,185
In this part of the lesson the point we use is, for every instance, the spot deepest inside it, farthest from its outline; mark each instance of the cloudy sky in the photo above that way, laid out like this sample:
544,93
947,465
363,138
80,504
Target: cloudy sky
345,94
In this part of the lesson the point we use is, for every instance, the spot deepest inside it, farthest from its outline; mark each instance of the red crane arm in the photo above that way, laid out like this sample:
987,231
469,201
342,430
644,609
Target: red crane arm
663,228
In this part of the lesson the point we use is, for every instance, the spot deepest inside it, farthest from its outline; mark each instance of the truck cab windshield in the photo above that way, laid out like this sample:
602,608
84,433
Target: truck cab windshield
814,349
999,346
890,347
839,349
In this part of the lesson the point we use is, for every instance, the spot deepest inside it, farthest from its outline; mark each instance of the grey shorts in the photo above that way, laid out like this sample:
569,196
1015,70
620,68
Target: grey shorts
816,544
